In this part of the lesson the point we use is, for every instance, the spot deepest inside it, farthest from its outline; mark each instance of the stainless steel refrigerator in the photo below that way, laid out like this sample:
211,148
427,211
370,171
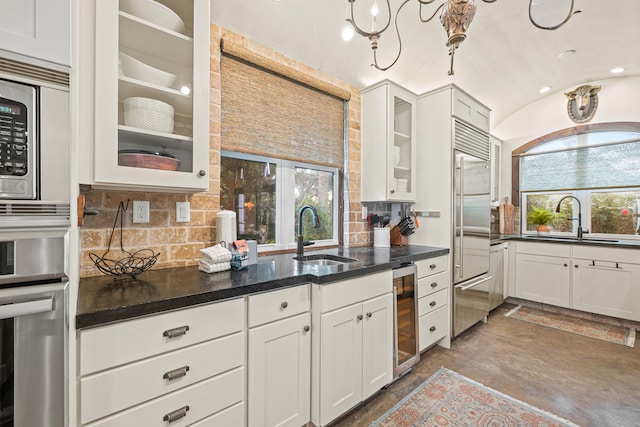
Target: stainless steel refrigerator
471,228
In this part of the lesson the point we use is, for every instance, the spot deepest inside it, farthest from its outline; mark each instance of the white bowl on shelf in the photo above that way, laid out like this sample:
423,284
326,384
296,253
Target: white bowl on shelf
135,69
147,113
153,12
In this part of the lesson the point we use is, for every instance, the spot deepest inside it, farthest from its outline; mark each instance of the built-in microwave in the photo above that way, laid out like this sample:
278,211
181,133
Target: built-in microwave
19,133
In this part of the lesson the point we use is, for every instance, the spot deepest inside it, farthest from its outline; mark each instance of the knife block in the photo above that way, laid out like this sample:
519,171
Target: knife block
398,239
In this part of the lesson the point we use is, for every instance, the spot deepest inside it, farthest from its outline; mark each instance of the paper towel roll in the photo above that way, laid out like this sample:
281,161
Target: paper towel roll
226,226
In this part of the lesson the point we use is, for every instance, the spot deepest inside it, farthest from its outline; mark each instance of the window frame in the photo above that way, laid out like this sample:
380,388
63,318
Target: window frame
285,200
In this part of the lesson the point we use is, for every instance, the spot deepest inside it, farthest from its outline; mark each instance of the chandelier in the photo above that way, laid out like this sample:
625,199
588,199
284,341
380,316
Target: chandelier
456,16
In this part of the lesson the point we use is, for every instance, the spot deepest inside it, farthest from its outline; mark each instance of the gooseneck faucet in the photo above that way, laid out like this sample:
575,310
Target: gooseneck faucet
316,224
580,230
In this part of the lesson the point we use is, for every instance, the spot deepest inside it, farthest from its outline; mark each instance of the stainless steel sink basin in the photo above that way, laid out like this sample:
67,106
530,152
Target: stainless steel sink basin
324,259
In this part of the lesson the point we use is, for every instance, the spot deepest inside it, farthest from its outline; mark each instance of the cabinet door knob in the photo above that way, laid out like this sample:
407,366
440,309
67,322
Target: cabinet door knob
176,415
284,304
576,266
434,285
306,328
432,266
432,329
369,314
176,332
565,264
392,191
202,172
360,317
176,373
432,303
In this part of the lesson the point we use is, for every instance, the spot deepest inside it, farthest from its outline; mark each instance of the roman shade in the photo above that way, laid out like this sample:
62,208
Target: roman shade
265,113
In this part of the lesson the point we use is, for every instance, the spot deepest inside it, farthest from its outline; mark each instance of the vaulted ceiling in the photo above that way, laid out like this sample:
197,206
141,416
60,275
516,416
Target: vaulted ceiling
503,62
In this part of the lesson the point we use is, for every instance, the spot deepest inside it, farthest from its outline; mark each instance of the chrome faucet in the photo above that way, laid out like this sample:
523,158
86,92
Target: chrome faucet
316,224
580,230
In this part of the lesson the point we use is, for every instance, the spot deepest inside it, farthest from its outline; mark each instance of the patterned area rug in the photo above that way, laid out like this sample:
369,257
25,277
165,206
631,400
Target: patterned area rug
449,399
589,328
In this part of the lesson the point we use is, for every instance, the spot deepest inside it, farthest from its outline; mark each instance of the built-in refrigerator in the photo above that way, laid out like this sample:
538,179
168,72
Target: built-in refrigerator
471,227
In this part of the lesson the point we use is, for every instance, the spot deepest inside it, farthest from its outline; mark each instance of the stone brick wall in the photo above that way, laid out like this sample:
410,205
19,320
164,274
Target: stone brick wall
179,243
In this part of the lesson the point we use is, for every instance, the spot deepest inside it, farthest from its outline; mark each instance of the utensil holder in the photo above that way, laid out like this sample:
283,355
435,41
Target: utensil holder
397,239
381,237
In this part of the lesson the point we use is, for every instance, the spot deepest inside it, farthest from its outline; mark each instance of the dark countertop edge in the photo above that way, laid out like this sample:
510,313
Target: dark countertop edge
619,244
106,316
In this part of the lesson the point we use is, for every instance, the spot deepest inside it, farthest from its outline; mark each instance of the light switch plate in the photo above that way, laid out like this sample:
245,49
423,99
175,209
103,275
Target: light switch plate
183,212
141,211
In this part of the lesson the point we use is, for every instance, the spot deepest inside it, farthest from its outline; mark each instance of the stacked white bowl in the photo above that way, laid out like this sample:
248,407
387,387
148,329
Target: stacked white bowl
147,113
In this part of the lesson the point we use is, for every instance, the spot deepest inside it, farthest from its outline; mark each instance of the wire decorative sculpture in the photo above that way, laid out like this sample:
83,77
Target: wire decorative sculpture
130,265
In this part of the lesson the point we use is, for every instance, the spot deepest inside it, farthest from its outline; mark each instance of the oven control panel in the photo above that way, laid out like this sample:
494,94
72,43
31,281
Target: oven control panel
13,138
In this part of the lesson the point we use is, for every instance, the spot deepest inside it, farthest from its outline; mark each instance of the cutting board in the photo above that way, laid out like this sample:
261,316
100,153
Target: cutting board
506,217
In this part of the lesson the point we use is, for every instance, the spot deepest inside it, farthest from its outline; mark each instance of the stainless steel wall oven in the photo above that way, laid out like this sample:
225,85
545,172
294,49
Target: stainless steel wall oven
33,337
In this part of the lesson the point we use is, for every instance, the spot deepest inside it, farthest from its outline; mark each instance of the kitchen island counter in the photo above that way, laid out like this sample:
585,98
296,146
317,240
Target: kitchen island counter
103,300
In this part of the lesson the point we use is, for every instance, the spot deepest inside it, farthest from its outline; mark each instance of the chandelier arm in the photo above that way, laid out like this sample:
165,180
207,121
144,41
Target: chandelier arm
363,33
489,1
432,16
375,56
555,27
428,1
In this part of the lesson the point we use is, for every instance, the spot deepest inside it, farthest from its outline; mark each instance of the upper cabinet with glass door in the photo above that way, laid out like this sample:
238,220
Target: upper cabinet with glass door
388,143
152,95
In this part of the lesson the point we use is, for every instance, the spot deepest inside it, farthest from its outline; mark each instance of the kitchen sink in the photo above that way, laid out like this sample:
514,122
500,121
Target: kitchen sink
324,259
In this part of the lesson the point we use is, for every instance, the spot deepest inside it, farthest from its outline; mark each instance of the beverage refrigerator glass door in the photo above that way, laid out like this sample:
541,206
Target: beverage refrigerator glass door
18,141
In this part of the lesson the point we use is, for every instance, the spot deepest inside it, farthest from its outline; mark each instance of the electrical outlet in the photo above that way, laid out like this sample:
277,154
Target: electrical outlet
183,212
364,212
140,211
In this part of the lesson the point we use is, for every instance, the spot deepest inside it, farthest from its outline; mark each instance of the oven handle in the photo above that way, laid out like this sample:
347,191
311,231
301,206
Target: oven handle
465,286
25,308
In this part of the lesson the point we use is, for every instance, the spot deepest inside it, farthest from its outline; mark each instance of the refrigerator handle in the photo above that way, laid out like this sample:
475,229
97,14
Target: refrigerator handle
461,223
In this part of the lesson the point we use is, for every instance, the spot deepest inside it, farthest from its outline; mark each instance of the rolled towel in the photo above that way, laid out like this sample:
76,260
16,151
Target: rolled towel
215,254
213,267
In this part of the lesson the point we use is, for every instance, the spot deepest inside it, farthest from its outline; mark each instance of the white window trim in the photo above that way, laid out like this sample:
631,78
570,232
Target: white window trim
286,217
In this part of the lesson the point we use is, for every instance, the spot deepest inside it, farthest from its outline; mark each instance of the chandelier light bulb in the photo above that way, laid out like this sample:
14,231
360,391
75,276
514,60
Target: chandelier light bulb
347,33
374,9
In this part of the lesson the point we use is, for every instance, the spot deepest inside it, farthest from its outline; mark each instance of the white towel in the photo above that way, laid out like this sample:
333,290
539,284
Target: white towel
215,254
213,267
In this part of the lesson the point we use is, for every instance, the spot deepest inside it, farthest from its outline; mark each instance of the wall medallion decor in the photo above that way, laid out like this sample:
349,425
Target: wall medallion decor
583,103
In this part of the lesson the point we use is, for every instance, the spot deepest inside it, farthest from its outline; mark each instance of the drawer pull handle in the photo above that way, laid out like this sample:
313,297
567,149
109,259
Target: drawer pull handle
176,415
434,285
369,314
306,328
176,332
432,266
176,373
360,317
432,329
284,304
432,303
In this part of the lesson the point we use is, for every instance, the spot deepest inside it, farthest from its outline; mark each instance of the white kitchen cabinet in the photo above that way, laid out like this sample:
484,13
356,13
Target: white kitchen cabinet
606,282
498,272
388,143
470,110
352,344
543,273
279,361
434,302
184,365
36,32
105,134
496,170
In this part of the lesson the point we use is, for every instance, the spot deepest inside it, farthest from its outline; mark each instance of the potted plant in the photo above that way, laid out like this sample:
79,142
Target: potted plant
541,218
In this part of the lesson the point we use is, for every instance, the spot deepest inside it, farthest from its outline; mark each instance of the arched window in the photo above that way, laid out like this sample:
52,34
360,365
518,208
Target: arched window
597,164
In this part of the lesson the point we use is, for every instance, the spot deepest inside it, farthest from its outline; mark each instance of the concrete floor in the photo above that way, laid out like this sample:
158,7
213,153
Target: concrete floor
584,380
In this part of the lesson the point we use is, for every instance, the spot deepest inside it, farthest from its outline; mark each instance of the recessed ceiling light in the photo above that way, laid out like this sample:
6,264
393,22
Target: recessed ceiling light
347,33
545,89
566,54
617,70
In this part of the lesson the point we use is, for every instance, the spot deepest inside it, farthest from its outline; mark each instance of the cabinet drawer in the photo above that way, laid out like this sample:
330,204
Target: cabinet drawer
346,292
434,283
433,326
112,345
545,249
203,399
433,302
275,305
233,416
137,382
427,267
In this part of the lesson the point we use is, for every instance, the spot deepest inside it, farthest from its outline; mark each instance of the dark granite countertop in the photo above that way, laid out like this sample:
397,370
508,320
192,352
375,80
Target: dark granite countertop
103,300
567,240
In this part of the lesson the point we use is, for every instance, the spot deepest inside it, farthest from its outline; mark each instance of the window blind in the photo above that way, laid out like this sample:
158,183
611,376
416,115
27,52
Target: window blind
614,165
264,113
